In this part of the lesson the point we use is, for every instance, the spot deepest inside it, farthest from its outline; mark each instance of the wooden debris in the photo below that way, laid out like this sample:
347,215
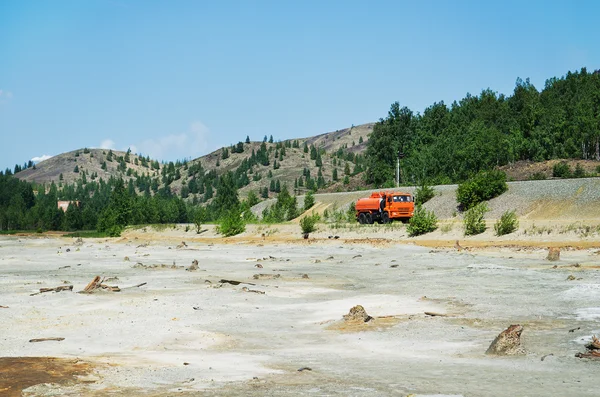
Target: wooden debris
434,314
3,307
233,282
182,245
139,285
304,369
547,355
574,329
55,289
258,265
594,344
97,283
458,246
357,256
263,276
46,339
64,267
246,289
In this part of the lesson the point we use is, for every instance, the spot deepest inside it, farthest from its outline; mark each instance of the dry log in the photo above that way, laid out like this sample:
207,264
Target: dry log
56,289
94,284
590,354
46,339
3,307
434,314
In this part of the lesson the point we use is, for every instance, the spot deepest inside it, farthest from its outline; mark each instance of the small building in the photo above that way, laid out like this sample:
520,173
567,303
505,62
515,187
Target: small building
63,205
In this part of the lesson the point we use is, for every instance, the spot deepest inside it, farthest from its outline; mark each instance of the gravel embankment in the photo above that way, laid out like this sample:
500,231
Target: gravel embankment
571,199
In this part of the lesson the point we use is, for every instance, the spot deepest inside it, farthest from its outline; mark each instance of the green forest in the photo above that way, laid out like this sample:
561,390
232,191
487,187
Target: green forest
447,144
444,144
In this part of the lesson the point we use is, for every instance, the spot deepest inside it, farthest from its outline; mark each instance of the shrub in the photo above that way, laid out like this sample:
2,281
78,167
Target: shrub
538,176
579,172
309,200
423,194
422,222
507,223
483,186
232,223
308,222
598,169
561,170
474,222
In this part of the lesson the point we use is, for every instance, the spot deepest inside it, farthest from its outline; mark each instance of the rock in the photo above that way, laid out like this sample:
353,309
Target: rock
193,267
357,314
508,342
126,259
570,278
553,254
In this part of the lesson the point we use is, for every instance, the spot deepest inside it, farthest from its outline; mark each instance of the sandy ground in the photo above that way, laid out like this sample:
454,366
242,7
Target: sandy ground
188,333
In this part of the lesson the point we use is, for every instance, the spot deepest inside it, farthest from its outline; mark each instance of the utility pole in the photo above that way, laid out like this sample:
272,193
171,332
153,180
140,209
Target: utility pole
400,155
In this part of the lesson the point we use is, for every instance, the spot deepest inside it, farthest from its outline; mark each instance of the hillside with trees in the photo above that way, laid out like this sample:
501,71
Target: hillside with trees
447,144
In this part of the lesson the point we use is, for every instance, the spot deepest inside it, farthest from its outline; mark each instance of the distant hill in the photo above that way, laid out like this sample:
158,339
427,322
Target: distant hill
333,147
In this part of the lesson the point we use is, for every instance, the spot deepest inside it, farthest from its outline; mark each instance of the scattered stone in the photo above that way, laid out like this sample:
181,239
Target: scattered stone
126,259
64,267
305,275
317,261
78,242
508,342
305,236
553,254
68,249
304,369
394,266
574,329
182,245
357,256
336,237
357,314
258,265
571,277
193,267
330,257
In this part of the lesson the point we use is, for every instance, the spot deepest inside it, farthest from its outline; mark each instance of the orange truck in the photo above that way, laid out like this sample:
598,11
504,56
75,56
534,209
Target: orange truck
384,207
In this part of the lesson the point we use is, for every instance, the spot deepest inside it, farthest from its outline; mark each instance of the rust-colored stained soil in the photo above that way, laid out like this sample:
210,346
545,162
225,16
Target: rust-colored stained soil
18,373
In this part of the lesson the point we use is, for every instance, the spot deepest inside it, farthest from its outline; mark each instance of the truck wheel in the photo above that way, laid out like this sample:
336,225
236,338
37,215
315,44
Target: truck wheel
385,217
368,218
361,218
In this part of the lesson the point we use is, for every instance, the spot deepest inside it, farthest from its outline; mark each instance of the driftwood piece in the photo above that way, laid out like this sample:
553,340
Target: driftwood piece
233,282
3,307
46,339
139,285
508,342
55,289
434,314
246,289
94,284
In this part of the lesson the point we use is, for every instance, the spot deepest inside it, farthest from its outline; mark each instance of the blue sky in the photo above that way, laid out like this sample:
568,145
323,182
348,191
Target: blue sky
178,79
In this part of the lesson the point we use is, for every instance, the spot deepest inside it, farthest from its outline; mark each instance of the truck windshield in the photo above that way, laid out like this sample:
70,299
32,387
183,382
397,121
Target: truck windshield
402,199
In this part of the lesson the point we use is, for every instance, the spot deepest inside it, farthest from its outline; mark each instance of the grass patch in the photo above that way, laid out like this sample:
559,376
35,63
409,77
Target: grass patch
88,234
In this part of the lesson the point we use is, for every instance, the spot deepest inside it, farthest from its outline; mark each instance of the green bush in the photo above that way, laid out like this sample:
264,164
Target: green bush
422,222
423,194
483,186
579,172
474,222
507,223
538,176
598,169
561,170
308,222
309,200
231,223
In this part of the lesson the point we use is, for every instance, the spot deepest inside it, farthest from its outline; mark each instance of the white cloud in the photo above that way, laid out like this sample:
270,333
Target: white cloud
40,158
5,96
107,144
192,143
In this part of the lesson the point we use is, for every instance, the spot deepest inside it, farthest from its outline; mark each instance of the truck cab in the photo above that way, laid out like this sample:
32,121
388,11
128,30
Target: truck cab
384,207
